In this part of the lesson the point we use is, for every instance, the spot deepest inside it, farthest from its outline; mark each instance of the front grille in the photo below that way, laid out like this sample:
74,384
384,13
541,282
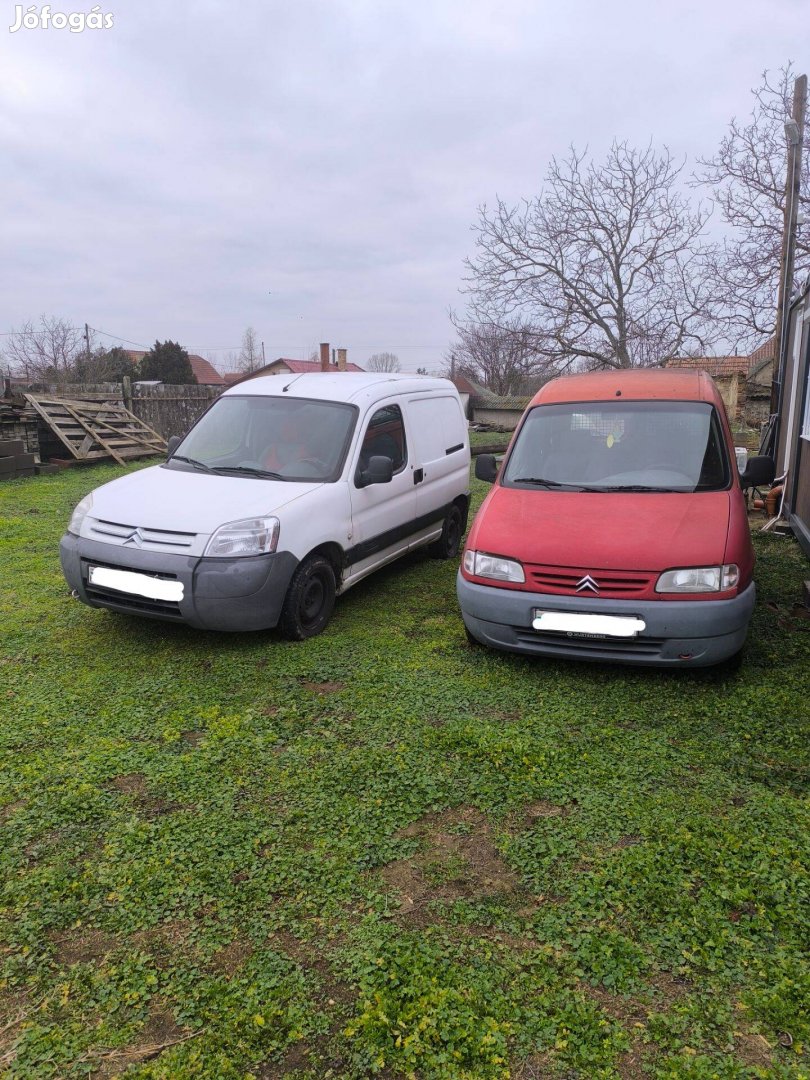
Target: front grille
126,602
137,605
604,647
114,532
613,584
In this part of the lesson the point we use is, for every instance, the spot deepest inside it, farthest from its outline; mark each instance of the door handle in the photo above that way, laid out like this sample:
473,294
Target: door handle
418,476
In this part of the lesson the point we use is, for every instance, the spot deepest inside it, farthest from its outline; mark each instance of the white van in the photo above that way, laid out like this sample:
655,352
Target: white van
285,493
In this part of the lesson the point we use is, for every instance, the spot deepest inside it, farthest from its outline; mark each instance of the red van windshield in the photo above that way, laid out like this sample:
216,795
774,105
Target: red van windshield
620,446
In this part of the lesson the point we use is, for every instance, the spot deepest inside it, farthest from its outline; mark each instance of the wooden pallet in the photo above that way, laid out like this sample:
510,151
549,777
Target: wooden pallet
92,430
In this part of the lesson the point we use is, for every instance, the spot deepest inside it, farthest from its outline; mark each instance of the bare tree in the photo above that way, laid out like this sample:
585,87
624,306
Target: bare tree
250,355
747,175
47,352
104,365
384,361
502,357
608,264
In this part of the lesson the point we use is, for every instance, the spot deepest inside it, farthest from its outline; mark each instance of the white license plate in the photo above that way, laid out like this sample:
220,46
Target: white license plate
572,622
128,581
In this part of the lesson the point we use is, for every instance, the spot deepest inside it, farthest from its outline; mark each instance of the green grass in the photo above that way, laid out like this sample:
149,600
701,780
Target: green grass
382,852
490,438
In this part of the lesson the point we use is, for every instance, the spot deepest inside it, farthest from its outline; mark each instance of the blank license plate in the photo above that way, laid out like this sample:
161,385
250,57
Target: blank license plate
571,622
128,581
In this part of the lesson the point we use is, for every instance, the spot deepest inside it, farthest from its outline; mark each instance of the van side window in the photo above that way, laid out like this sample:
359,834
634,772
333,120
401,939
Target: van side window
384,437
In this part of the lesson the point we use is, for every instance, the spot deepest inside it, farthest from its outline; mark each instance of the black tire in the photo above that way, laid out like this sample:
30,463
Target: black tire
310,600
448,544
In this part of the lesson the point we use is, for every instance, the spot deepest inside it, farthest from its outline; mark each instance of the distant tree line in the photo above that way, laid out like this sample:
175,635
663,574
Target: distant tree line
53,350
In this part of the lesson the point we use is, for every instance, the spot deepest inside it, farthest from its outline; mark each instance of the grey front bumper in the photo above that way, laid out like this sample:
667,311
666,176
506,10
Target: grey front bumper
218,594
679,633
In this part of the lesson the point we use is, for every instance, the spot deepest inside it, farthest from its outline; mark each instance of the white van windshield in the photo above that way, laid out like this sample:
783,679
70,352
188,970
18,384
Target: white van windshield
271,438
620,446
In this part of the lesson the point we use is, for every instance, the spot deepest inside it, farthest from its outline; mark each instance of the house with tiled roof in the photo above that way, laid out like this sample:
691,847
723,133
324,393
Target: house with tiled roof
744,382
204,371
285,366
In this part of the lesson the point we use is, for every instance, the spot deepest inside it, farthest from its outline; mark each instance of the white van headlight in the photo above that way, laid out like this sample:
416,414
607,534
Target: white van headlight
253,536
698,579
79,514
479,564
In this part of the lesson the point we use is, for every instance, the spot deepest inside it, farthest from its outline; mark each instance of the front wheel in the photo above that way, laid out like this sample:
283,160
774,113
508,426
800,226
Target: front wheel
310,600
448,544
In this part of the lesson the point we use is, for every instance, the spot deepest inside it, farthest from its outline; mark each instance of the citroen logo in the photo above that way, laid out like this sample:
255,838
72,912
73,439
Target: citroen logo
587,583
135,538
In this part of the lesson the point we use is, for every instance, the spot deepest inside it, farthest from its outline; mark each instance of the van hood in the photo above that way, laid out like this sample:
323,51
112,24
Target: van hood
183,501
604,531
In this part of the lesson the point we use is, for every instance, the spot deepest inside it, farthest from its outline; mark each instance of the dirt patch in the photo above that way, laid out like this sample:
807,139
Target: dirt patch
135,787
627,841
457,860
83,946
158,1033
88,946
536,1067
165,941
617,1006
10,809
297,1057
753,1050
630,1064
14,1011
192,738
323,687
231,957
669,988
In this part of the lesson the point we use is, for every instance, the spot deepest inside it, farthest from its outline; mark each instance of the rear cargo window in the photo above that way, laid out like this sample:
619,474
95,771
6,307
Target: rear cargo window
621,446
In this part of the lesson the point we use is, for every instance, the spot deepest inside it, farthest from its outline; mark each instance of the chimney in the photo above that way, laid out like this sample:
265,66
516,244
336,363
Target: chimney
324,356
341,360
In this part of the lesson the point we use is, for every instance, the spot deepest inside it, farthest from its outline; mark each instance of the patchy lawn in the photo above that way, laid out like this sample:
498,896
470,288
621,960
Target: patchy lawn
384,853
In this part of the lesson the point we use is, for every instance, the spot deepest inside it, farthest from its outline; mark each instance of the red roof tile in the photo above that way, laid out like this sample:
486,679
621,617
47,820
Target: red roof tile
302,367
204,372
717,366
764,352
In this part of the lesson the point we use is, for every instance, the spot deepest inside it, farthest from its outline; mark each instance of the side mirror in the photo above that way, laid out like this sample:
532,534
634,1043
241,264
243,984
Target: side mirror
485,467
759,472
173,443
379,470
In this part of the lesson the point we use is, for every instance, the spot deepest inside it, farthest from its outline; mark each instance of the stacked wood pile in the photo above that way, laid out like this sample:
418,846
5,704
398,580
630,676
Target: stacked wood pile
18,421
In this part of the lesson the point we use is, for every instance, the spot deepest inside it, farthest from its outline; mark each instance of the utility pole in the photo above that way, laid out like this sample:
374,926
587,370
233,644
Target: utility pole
264,362
794,130
87,341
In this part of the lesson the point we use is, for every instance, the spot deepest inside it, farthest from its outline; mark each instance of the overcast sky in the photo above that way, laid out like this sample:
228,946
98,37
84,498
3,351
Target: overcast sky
313,168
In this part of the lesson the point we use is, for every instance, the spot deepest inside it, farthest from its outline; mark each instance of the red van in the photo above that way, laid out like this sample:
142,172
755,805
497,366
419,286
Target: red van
616,529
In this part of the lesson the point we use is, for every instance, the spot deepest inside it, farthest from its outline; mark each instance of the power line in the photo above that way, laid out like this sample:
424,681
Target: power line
207,348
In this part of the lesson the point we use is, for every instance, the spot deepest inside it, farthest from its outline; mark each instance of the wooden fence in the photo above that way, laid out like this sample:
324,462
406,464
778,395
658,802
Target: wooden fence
170,410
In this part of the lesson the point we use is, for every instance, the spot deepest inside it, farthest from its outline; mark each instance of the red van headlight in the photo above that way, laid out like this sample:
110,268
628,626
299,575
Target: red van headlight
481,564
699,579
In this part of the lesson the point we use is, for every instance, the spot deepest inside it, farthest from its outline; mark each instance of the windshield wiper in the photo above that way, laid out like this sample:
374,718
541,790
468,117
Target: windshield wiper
249,470
192,461
639,487
539,481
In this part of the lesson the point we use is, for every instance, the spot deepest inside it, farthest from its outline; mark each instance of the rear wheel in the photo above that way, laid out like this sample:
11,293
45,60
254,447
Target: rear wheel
310,599
448,544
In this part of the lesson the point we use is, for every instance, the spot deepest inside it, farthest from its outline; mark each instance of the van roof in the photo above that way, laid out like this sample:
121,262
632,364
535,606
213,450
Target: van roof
632,384
340,386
